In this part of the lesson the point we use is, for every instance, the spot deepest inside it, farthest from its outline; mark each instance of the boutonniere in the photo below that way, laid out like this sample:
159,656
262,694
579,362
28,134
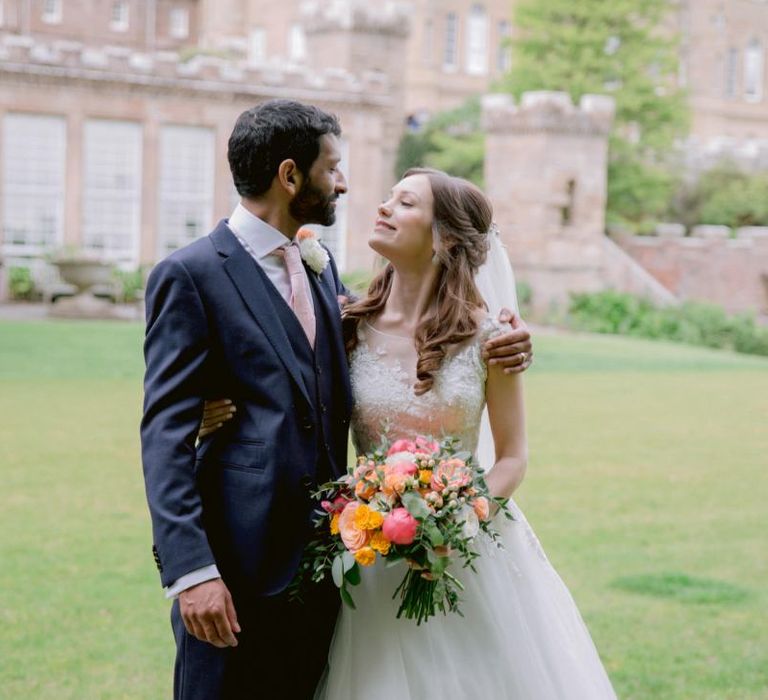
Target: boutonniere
311,251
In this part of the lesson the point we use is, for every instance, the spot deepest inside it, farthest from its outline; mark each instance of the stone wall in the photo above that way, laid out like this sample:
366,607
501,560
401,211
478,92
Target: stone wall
708,265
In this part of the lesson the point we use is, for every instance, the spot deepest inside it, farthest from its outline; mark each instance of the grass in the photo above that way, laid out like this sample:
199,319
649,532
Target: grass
647,486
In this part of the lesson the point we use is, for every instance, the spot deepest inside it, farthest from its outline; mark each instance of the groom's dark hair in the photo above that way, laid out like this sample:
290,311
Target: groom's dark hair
270,133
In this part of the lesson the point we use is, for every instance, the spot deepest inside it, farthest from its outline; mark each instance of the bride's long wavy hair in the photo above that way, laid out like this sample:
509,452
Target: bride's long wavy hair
461,218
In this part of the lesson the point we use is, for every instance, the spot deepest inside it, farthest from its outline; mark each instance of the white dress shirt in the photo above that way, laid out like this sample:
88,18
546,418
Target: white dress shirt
259,239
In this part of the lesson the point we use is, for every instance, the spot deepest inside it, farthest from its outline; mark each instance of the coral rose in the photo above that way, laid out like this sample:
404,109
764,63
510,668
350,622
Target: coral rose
400,527
353,537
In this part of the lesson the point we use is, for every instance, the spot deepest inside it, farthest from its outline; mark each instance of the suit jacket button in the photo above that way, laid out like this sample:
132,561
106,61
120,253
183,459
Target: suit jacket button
307,426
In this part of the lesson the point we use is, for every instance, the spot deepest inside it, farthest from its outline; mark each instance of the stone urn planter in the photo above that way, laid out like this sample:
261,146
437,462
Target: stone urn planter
87,275
83,273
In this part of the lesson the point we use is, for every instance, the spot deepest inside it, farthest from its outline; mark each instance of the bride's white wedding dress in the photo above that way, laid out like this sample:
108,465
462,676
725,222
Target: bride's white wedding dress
521,635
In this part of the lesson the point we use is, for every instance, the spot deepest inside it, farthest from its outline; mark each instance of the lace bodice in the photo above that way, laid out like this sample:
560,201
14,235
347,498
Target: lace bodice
383,372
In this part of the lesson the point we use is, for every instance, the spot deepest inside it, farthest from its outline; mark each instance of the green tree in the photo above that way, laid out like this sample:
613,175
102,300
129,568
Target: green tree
450,141
624,48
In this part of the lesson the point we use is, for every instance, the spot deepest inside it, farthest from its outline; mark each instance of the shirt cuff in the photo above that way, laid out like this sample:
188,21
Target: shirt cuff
192,579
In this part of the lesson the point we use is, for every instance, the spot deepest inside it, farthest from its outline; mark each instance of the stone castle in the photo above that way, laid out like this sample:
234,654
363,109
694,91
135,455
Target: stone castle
116,115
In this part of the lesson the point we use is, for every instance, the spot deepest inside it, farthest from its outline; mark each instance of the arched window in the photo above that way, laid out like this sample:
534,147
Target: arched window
477,41
754,67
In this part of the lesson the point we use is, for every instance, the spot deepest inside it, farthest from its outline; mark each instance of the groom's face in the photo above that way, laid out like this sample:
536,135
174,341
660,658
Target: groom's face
315,202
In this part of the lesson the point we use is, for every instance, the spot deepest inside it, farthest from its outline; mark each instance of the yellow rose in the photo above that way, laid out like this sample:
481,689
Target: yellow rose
425,476
365,556
367,519
335,524
379,543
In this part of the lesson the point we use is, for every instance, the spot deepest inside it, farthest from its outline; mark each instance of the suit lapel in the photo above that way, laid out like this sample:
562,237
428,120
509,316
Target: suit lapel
324,292
250,282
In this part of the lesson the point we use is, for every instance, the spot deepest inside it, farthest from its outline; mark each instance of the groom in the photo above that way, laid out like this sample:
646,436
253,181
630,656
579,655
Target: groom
240,314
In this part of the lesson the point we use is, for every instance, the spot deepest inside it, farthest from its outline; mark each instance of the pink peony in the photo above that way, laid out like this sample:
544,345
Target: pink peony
336,507
425,447
401,446
406,468
400,527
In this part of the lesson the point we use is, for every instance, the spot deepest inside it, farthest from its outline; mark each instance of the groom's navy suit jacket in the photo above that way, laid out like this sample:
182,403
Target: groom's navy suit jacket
217,327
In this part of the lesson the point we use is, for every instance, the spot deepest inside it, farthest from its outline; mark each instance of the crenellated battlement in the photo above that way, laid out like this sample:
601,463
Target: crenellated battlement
547,111
29,57
388,18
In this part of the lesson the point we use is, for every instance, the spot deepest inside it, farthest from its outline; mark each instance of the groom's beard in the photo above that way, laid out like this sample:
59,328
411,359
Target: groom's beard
312,206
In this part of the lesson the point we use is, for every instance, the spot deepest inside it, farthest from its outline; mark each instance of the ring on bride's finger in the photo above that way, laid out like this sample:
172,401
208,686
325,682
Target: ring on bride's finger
524,356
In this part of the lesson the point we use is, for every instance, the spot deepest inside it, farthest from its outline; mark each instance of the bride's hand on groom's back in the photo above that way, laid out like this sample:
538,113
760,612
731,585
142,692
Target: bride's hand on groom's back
209,613
216,412
512,350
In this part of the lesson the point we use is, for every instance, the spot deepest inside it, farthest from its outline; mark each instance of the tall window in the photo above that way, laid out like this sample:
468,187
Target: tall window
186,186
112,188
179,23
477,41
754,64
52,11
335,237
504,51
731,68
119,18
451,52
297,43
33,181
427,43
257,46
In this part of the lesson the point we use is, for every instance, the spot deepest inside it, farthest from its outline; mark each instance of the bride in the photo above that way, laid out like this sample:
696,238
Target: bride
414,345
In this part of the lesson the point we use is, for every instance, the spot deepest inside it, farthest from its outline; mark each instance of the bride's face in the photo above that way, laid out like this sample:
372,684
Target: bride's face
403,229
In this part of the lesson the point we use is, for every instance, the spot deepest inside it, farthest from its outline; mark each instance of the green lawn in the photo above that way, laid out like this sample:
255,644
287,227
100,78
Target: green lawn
647,486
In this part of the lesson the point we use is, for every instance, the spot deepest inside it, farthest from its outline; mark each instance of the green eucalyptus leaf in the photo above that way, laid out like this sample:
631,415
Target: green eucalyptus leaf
337,571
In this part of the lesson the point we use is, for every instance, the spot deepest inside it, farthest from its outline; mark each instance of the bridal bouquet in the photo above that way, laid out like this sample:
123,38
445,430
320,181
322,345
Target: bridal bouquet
418,501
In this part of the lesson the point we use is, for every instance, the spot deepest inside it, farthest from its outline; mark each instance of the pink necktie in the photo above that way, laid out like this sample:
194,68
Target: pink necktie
300,302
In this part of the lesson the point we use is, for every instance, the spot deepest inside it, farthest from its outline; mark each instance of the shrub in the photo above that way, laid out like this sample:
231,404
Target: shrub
131,283
21,285
694,323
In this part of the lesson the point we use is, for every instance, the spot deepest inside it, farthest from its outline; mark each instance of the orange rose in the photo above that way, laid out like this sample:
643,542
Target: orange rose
353,537
365,556
379,543
335,524
364,490
367,519
394,482
482,507
425,476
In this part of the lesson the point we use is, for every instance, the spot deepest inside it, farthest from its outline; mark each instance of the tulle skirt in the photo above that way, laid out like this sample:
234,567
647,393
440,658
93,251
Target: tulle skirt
521,636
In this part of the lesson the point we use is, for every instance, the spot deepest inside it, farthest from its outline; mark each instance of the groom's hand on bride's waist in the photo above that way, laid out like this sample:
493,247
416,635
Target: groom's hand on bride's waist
209,613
